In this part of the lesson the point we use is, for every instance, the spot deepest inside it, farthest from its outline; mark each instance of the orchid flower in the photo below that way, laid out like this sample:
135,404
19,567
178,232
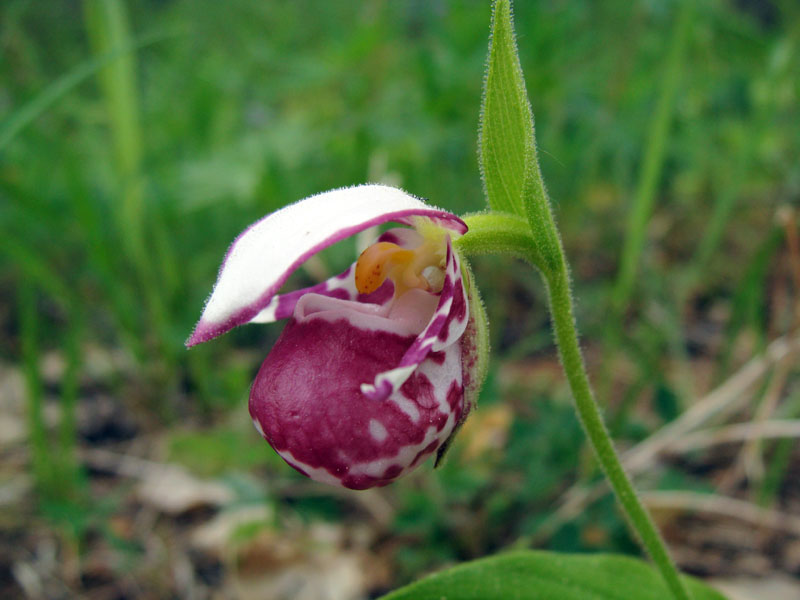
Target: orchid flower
376,367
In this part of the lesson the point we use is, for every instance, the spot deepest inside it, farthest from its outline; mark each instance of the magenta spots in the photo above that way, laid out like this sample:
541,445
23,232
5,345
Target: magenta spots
309,396
458,312
425,452
308,388
438,323
359,388
439,421
392,472
459,309
437,358
419,388
455,399
380,296
307,399
363,482
390,237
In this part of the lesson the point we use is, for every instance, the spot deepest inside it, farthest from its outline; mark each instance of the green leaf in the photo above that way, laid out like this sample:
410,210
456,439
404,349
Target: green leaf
539,575
507,143
506,138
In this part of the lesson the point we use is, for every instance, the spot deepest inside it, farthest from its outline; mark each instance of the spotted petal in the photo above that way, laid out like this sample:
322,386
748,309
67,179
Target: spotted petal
263,257
445,327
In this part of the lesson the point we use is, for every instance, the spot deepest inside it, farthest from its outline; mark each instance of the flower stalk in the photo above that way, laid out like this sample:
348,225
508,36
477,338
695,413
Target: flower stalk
513,182
572,361
497,233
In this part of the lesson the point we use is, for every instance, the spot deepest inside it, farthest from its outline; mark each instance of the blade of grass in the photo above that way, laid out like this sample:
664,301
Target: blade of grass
780,460
23,116
105,264
685,286
748,301
43,468
107,27
55,463
34,269
652,164
69,398
644,196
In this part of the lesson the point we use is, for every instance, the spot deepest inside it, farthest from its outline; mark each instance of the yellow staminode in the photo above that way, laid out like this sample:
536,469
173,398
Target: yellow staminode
404,267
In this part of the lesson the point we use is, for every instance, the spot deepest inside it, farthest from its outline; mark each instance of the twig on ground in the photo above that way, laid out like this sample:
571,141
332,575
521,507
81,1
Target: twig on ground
738,432
722,505
751,463
725,398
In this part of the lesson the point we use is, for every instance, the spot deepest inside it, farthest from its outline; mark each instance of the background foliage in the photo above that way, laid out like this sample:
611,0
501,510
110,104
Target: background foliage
137,139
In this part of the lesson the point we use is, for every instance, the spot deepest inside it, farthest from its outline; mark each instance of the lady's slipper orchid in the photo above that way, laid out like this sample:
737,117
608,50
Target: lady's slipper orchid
374,370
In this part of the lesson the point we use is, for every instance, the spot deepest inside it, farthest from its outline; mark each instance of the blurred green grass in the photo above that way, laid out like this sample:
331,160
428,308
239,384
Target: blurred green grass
142,140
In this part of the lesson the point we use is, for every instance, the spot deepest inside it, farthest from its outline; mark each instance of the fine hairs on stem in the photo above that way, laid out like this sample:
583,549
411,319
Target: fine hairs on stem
513,183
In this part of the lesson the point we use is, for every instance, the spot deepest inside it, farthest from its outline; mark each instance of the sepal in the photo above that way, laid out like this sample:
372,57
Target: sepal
263,257
474,355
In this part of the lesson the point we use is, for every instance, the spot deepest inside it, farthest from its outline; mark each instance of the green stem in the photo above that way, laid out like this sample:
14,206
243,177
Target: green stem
499,233
512,239
592,420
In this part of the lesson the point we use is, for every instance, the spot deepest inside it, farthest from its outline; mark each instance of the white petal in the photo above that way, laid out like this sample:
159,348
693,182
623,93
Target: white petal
261,259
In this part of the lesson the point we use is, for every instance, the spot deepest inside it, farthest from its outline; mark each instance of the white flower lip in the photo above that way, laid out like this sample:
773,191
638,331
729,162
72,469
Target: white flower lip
261,259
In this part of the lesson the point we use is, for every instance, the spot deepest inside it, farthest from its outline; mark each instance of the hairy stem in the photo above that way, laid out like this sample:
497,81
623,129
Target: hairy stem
511,238
592,420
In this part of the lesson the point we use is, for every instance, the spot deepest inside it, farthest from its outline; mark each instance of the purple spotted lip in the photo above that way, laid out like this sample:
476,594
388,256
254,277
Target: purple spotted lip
360,388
